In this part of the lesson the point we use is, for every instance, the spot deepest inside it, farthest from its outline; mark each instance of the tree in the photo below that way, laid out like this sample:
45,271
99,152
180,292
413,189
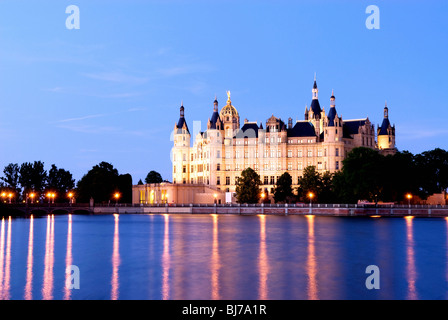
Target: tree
283,189
432,172
60,181
140,182
310,182
33,177
11,178
326,189
153,177
124,184
248,187
363,174
100,183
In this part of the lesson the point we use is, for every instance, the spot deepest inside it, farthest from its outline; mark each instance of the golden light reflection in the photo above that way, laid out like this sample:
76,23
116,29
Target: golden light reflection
446,218
166,260
215,260
47,287
115,260
2,255
311,261
411,272
7,273
263,265
68,260
29,263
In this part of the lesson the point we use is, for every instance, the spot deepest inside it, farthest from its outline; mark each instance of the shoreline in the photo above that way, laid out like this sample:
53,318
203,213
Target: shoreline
339,211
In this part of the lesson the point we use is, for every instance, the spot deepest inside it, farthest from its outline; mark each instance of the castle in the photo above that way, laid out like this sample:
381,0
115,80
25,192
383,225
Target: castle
209,169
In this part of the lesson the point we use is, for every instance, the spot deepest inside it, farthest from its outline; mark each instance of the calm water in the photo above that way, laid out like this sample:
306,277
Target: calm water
223,257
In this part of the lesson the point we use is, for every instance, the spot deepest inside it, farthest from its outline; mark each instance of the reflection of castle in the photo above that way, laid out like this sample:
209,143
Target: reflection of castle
219,154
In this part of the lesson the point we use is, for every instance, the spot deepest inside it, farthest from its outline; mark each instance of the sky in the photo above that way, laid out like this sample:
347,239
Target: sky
111,90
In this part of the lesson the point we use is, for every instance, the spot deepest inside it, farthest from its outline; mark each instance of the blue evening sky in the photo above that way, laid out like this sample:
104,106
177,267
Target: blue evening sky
111,91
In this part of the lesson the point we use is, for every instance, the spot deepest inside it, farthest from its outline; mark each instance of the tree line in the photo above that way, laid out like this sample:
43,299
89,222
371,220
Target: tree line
31,182
365,175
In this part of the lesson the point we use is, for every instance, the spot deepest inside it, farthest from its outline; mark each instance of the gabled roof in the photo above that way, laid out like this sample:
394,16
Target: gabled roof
248,130
302,129
352,126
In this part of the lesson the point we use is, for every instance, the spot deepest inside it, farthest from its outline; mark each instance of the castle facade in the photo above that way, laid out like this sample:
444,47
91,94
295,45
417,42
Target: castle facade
208,170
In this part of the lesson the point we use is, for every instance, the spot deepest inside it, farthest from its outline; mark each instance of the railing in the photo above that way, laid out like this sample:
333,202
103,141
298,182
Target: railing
282,205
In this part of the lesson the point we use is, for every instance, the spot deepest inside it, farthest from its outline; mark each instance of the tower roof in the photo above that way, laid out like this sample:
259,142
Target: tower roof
315,106
384,126
182,122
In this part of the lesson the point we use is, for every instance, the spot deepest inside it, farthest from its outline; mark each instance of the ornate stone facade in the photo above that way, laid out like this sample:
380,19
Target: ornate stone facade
219,154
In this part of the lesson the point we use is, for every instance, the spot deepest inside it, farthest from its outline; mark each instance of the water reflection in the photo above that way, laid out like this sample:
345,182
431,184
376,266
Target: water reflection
410,260
2,253
166,259
115,260
263,260
5,261
311,264
68,260
47,287
215,260
29,263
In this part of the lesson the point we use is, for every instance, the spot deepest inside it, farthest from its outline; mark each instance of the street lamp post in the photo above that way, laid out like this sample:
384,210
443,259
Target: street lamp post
70,196
215,196
32,195
409,196
116,196
10,197
311,195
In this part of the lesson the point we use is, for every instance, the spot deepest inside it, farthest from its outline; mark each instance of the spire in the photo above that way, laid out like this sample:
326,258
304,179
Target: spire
332,114
228,97
315,90
182,124
215,105
386,111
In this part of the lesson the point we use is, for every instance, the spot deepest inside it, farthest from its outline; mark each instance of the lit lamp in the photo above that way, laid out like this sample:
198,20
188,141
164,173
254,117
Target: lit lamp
166,198
3,196
310,195
215,196
10,197
409,196
116,196
32,195
70,196
263,195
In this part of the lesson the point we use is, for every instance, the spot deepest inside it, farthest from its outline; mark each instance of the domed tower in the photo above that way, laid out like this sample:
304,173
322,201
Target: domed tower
181,149
230,118
333,123
215,121
386,135
315,113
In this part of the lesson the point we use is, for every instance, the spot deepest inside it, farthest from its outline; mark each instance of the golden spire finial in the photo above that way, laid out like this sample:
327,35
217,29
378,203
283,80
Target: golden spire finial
228,96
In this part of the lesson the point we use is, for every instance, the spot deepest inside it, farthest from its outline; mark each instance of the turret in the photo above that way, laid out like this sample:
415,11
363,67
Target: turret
181,149
333,129
386,134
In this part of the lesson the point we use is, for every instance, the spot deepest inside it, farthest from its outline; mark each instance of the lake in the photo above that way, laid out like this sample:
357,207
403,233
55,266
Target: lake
180,257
